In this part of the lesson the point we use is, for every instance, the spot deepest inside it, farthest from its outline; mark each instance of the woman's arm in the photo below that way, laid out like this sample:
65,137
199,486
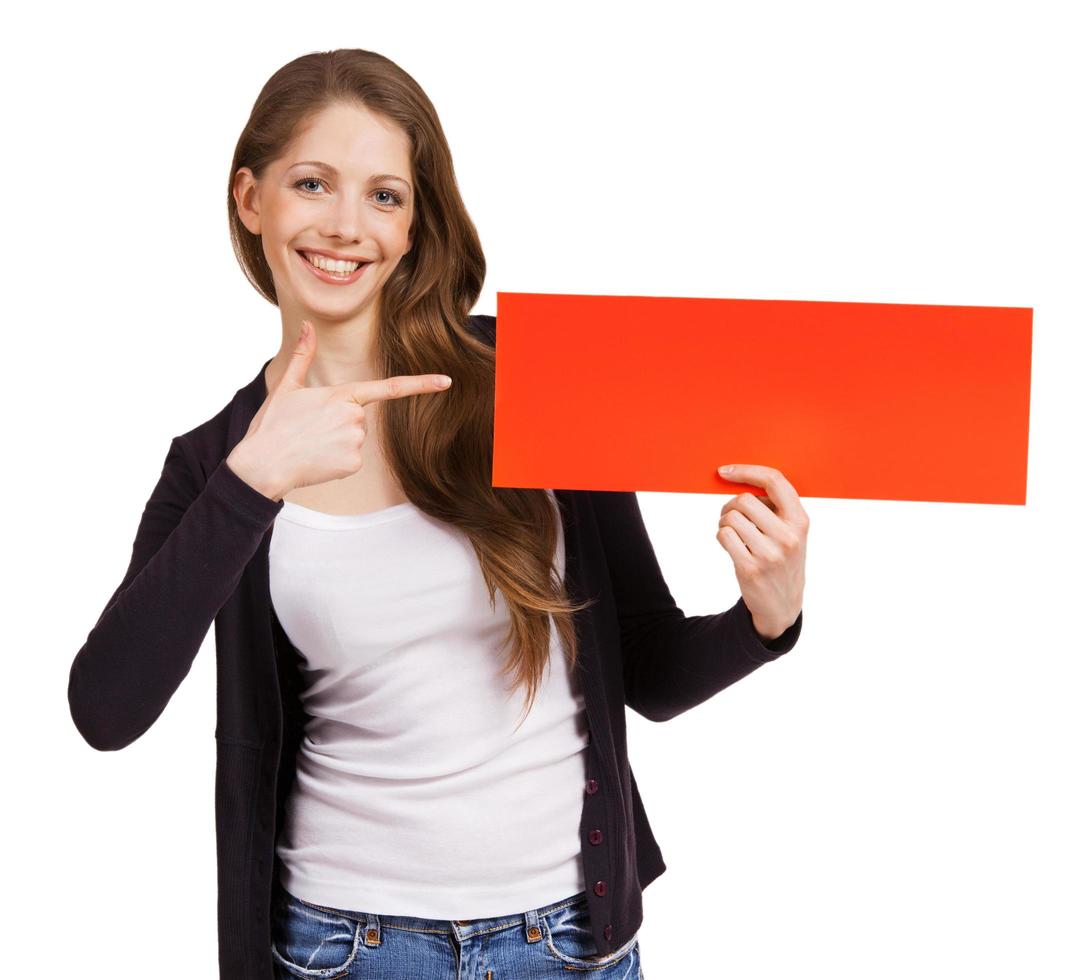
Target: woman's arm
191,548
672,662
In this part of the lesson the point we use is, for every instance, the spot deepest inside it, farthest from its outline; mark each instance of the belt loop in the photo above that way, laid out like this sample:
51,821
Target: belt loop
533,927
372,934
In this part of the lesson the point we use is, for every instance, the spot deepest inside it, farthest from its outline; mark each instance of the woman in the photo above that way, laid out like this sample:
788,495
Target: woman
382,806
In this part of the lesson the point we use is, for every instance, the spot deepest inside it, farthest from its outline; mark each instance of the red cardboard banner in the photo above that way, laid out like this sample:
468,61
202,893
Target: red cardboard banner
884,401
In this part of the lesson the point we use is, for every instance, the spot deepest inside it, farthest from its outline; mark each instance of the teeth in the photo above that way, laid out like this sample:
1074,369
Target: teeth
331,265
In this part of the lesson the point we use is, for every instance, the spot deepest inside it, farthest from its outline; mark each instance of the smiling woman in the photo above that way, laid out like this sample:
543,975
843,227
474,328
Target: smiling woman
384,805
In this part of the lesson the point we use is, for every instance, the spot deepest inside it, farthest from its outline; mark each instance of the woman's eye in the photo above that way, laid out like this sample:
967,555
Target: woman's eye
396,199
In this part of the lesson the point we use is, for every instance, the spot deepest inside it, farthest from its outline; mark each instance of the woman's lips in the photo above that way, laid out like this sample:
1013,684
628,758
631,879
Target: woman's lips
334,280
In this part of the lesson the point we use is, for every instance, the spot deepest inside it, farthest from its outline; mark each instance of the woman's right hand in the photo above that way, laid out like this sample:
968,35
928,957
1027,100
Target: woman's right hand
303,436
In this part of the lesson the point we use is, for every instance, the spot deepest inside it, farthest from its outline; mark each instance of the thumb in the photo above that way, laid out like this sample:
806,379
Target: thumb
301,358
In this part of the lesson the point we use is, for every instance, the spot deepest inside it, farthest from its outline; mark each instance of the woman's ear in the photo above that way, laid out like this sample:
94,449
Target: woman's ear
246,200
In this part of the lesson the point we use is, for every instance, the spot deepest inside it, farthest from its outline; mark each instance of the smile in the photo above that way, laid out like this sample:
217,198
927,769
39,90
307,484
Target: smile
332,273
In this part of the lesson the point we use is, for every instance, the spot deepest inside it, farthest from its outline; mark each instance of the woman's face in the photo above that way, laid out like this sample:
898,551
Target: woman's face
344,187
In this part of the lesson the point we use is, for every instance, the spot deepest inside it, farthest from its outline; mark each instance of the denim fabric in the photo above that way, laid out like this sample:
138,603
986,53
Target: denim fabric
315,942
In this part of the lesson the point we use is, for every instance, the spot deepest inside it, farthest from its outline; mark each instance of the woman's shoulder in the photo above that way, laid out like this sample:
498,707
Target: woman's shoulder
482,326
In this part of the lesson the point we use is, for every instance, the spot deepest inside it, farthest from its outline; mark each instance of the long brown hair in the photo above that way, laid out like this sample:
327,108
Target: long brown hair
439,449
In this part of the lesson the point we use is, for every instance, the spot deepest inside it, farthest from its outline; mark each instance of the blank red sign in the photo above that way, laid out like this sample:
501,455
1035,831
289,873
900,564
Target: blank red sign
885,401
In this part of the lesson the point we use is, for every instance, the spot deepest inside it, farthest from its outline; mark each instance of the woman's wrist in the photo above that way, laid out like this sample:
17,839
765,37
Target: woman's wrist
247,467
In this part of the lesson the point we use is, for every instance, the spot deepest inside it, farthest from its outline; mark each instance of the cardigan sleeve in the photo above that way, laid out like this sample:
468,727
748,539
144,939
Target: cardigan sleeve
191,547
672,662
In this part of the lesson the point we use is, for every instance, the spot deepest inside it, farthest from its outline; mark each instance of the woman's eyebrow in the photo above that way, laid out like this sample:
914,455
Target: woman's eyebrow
333,170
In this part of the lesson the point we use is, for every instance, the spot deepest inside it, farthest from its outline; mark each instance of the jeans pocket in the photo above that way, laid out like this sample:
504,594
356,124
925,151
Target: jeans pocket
569,938
311,942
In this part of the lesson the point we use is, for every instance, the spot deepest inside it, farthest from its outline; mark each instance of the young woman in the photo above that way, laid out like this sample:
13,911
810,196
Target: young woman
384,806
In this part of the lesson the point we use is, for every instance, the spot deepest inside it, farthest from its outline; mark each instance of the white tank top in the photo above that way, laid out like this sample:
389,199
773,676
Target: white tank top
415,794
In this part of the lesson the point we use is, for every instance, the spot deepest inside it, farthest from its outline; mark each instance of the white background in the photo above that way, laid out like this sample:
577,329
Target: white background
902,795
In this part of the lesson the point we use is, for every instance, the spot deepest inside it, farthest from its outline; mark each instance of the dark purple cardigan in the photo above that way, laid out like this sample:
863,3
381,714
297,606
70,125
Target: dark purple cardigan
201,554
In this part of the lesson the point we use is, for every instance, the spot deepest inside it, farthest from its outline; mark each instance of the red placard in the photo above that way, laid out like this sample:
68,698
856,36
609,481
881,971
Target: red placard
885,401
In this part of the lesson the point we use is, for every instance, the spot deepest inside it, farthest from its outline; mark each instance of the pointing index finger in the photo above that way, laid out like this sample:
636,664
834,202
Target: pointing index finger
384,389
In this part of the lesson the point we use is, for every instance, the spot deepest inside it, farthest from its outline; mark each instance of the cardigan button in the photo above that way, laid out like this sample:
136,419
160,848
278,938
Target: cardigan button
599,888
596,836
609,932
591,786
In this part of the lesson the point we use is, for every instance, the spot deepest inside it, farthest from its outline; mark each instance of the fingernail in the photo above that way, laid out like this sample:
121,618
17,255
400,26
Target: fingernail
442,380
724,470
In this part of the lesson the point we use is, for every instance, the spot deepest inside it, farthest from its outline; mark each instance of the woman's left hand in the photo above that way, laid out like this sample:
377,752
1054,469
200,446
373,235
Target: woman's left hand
765,537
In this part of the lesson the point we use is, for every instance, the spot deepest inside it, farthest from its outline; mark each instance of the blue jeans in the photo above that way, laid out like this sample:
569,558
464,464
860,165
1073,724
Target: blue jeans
314,942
